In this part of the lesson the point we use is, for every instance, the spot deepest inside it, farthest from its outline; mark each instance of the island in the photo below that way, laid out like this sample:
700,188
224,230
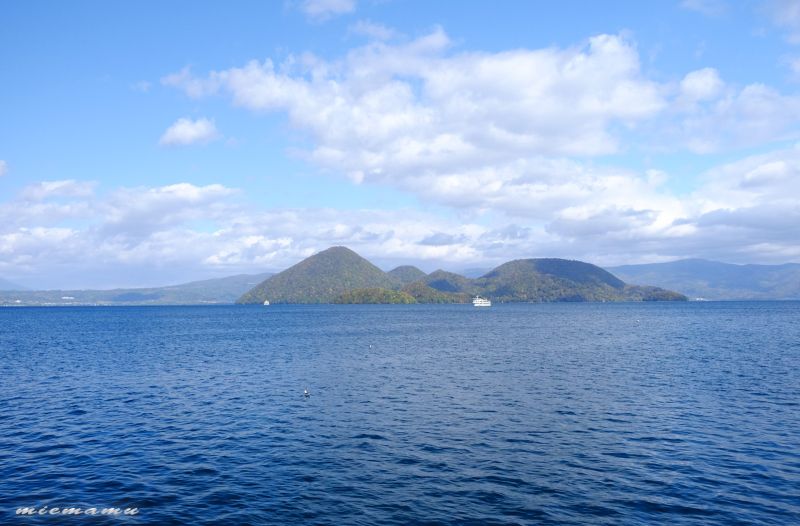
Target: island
340,275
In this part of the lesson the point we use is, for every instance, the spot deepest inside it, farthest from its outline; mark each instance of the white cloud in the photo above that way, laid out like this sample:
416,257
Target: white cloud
187,131
324,9
3,168
373,30
765,179
753,115
132,213
178,232
389,113
192,86
710,115
64,188
495,131
702,84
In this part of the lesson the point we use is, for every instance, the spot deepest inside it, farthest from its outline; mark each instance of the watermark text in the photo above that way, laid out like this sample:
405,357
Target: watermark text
27,511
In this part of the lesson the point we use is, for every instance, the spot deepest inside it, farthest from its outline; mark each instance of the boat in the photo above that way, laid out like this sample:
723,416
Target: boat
266,302
477,301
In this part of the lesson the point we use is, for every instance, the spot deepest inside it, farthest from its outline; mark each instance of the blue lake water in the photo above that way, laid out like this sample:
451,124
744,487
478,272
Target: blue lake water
445,414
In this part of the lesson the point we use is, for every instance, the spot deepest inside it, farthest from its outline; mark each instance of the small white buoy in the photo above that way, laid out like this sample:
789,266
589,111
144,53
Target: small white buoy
306,393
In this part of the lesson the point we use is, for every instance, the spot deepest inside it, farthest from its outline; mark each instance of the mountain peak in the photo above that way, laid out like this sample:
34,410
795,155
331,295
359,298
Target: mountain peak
576,271
320,278
337,250
406,274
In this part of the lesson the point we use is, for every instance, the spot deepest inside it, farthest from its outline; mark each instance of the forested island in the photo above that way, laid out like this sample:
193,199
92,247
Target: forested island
339,275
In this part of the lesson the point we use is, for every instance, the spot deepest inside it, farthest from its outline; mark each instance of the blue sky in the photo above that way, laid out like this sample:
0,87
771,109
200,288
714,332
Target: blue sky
147,143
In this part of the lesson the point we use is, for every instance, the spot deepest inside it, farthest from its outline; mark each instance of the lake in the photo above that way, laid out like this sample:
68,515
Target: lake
656,413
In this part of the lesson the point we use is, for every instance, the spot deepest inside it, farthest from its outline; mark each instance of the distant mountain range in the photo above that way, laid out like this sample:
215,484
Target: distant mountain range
339,275
712,280
8,285
210,291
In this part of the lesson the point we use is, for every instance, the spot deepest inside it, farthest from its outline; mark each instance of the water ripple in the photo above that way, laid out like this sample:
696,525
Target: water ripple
520,414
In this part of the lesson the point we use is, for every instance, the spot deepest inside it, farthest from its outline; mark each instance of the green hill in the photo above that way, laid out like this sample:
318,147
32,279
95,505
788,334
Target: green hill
422,293
535,280
545,280
574,271
374,295
406,274
648,293
339,275
550,280
321,278
451,282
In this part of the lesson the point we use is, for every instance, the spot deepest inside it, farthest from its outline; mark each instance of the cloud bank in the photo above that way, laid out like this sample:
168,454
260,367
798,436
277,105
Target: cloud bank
744,211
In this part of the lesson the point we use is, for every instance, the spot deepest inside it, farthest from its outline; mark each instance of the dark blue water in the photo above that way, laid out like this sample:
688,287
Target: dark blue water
529,414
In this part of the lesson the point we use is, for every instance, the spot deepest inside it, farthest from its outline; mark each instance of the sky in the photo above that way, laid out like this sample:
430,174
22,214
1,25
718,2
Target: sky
149,143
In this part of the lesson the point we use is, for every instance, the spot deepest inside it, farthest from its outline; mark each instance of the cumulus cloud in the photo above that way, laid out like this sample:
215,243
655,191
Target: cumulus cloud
744,211
771,178
387,113
715,116
68,233
187,131
134,213
64,235
416,116
753,115
324,9
133,236
703,84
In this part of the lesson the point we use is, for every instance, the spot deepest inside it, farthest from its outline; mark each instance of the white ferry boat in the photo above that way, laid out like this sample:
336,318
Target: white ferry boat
477,301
